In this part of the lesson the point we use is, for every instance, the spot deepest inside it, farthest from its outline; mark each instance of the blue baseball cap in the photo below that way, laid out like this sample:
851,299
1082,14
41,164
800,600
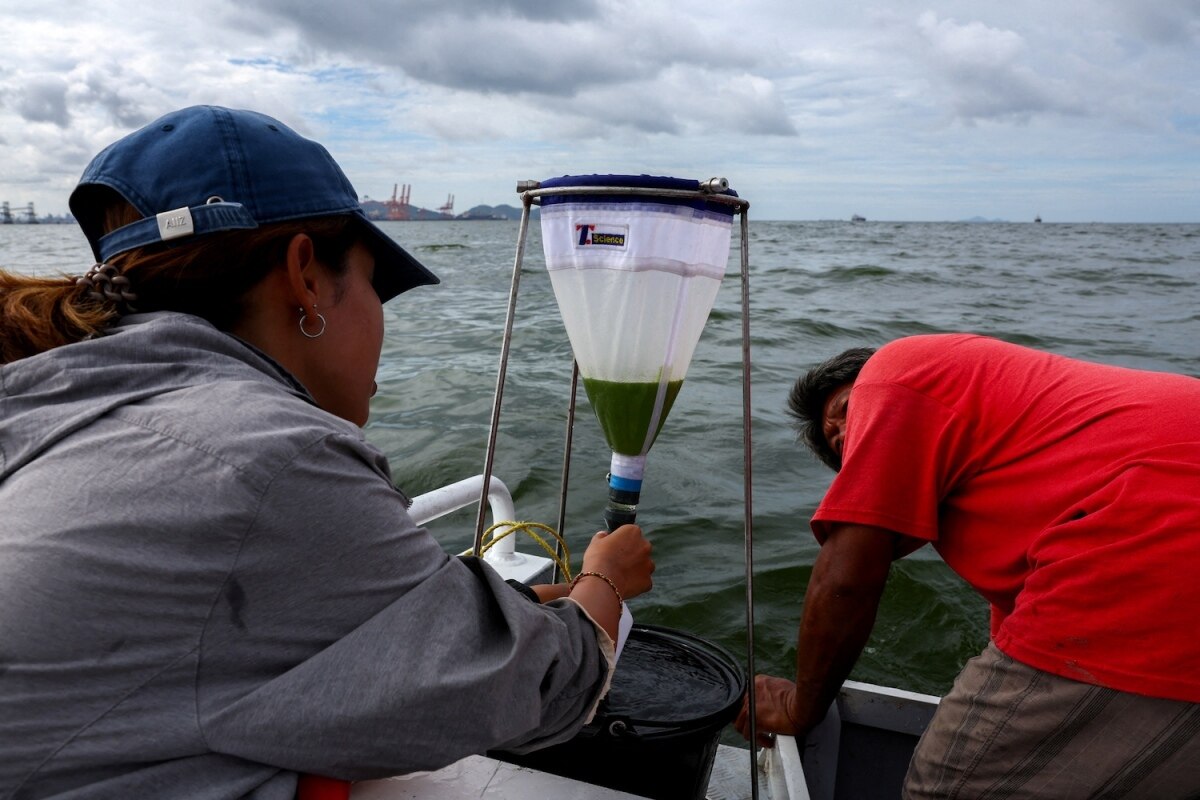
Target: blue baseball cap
205,169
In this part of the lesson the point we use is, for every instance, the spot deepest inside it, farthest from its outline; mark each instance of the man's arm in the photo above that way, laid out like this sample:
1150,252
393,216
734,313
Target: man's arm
839,612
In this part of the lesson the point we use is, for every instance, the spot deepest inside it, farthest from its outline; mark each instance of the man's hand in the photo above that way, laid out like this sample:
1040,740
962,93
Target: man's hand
774,699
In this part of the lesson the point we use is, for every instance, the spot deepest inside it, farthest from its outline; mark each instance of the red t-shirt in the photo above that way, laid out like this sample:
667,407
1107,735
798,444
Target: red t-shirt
1067,493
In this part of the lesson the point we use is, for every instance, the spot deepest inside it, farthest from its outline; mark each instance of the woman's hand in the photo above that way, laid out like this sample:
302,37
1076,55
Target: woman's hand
624,557
623,560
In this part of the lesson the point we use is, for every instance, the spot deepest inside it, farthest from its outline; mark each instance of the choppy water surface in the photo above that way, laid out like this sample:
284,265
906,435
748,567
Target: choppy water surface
1123,294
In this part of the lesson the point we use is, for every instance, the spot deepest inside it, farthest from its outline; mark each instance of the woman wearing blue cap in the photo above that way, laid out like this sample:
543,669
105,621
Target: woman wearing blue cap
209,583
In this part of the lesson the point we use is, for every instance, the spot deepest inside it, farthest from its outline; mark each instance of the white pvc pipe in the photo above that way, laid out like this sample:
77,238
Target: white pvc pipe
442,501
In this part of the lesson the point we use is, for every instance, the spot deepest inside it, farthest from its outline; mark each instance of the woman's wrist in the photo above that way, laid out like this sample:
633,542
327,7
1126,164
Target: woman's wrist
551,591
601,576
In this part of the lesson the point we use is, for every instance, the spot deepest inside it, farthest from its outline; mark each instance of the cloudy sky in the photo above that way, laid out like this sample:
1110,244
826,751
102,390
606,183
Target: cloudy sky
935,110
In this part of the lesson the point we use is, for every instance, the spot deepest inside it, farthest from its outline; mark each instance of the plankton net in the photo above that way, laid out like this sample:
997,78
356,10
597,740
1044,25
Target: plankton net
635,274
635,263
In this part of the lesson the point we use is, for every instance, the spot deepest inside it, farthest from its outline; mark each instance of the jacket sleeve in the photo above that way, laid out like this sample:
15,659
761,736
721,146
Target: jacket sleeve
346,642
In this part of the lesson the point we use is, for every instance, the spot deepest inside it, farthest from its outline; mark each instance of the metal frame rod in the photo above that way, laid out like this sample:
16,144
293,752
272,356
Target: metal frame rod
566,467
748,499
501,373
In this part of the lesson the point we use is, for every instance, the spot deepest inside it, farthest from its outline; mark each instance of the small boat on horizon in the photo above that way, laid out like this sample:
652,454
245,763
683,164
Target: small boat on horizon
860,218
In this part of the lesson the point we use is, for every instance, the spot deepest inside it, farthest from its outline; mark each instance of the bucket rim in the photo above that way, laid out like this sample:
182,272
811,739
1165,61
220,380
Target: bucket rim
704,650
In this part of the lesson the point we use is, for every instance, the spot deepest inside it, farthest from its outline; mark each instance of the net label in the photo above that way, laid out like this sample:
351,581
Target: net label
590,235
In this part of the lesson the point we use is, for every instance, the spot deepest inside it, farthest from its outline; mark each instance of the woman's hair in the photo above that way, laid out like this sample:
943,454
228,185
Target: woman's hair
806,402
207,276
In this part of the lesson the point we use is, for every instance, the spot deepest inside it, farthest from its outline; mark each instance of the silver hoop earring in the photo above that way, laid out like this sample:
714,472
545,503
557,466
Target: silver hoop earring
304,318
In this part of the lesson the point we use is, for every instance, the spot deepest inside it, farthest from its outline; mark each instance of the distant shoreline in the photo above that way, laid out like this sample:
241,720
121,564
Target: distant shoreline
424,215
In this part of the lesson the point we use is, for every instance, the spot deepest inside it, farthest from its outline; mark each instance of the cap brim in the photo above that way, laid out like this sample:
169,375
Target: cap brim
395,270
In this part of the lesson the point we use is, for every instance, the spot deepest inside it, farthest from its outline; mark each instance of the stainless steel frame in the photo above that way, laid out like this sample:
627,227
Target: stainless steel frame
711,191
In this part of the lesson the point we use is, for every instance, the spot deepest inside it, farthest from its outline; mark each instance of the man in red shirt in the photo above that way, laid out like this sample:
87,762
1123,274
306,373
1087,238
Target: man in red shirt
1068,494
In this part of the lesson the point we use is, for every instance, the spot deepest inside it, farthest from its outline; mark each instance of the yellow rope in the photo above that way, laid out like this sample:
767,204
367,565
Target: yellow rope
530,528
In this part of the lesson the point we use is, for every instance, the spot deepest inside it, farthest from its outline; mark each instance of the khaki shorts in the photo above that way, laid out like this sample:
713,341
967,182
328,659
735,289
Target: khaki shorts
1007,730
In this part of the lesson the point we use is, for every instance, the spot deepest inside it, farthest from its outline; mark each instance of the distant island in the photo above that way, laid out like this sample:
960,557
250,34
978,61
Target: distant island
383,211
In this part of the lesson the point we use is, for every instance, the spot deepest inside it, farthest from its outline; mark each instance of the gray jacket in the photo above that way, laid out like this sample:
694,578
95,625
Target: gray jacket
208,584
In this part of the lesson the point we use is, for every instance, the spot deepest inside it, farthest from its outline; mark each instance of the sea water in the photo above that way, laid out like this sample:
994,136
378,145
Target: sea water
1119,294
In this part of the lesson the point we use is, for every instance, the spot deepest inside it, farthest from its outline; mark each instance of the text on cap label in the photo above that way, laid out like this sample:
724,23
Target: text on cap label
175,223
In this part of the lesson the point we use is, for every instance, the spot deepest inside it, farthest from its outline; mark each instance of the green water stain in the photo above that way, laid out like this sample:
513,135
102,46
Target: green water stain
624,411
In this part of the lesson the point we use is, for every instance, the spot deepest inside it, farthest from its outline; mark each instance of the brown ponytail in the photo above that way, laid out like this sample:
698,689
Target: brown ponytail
207,276
38,314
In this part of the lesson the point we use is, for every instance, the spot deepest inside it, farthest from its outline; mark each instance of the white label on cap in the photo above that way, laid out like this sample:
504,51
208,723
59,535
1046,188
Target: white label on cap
173,224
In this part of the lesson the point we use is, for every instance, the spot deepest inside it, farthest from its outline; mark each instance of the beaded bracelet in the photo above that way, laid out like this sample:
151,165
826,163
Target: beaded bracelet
606,579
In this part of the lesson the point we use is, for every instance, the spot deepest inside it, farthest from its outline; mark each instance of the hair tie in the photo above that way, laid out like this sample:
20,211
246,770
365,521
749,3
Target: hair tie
105,284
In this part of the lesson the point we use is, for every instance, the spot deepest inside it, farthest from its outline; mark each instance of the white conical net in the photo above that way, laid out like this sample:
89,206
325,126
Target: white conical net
635,282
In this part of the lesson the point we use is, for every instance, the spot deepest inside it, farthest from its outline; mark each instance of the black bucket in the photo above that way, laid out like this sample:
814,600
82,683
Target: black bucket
656,733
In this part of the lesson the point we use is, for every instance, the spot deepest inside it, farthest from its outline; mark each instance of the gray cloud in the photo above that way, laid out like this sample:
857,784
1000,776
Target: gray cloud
984,73
513,47
606,63
120,98
43,99
1158,22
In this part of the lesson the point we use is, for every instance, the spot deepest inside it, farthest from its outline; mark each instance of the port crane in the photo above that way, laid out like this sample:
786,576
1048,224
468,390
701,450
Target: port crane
398,208
28,215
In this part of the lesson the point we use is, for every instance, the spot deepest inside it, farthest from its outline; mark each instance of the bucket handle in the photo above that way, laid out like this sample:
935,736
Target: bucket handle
620,728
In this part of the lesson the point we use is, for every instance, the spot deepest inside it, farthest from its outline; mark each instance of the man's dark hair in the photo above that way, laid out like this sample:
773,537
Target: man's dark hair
806,402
